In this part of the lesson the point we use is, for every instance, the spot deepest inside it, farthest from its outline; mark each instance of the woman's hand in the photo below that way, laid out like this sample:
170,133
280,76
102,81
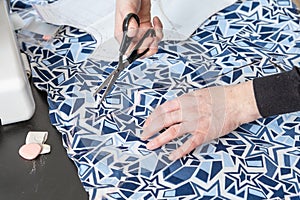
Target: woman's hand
142,9
206,114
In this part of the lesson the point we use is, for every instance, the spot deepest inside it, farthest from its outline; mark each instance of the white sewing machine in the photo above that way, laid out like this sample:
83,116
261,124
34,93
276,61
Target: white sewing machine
16,100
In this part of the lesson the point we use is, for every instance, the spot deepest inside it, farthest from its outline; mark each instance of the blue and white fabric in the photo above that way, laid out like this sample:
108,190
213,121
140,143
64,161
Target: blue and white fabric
259,160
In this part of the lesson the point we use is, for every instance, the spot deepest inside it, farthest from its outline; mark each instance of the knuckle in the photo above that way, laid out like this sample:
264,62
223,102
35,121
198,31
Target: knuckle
157,141
159,110
173,117
198,139
170,119
174,131
180,152
194,143
166,121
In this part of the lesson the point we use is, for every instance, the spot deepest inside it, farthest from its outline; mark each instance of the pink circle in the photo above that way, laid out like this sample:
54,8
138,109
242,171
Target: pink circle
30,151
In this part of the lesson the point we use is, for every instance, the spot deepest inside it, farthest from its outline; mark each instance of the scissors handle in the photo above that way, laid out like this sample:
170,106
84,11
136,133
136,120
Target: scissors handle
135,55
127,20
127,40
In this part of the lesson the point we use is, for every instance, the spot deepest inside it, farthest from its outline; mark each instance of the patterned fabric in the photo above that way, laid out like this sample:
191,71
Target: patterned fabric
259,160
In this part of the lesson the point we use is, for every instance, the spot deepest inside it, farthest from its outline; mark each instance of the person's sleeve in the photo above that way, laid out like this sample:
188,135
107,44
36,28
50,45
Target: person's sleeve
278,94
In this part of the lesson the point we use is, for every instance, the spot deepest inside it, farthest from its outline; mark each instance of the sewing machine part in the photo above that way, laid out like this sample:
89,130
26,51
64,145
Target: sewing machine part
17,21
41,28
15,87
30,151
26,64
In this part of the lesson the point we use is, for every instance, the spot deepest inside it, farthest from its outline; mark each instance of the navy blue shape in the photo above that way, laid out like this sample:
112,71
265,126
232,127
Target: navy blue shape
278,193
108,130
232,16
215,168
232,190
285,171
181,175
85,38
66,108
221,147
127,193
239,150
148,196
52,117
241,194
236,75
291,132
202,175
173,167
268,181
295,198
245,8
185,190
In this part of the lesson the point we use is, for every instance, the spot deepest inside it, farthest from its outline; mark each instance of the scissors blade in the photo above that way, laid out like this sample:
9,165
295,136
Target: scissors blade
105,83
109,86
110,80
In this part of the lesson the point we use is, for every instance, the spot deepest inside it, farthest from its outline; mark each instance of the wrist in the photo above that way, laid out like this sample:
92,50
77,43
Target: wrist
241,103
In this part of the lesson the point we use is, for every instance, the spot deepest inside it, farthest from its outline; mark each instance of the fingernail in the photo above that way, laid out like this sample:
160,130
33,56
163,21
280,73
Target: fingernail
150,146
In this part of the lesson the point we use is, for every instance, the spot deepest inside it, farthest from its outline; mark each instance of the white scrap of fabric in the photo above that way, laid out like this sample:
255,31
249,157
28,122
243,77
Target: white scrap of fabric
180,19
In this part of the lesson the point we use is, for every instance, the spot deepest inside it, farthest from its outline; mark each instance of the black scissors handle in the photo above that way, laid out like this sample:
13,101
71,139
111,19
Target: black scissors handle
127,20
125,43
126,40
134,54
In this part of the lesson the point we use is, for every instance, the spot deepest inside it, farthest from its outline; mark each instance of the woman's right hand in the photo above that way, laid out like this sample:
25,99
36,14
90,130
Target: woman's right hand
142,9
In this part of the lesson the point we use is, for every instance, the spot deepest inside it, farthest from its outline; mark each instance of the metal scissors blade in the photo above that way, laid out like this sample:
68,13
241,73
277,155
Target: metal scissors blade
110,80
107,83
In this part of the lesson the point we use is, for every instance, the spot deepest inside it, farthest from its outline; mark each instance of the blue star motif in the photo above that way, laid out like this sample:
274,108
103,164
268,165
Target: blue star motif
244,178
117,173
291,133
153,185
221,147
278,193
84,87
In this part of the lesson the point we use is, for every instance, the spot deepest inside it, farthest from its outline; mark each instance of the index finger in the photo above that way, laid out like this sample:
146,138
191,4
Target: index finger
155,122
166,107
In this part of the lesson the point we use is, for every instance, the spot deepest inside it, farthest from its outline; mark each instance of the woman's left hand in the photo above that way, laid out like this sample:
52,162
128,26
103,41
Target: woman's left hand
206,114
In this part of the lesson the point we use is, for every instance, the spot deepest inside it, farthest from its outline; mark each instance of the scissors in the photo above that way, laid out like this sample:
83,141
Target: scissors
123,63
